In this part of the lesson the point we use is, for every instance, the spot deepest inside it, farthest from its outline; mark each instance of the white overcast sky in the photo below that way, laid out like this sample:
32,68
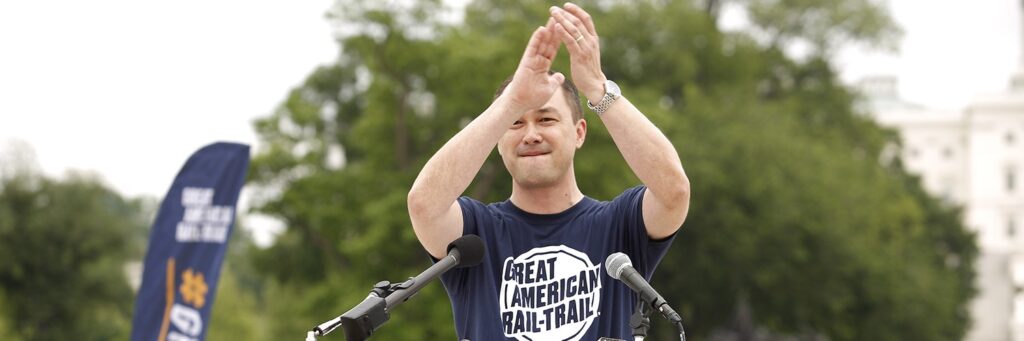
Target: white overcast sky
130,88
951,52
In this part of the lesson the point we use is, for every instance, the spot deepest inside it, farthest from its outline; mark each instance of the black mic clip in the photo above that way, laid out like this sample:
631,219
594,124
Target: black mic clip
363,319
385,288
640,321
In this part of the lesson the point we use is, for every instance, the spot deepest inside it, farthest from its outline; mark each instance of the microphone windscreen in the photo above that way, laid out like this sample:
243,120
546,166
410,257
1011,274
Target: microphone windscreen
471,250
615,263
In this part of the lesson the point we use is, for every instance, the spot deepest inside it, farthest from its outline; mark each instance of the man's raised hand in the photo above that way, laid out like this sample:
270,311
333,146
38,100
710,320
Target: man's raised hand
576,30
531,84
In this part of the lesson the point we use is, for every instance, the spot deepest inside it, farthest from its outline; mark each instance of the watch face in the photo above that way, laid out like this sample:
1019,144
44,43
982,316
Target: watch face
612,88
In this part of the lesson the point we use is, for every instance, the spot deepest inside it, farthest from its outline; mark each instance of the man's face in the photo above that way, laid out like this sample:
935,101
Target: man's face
538,148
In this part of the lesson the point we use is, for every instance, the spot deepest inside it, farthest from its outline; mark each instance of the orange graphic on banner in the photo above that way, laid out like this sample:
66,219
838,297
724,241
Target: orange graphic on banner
193,288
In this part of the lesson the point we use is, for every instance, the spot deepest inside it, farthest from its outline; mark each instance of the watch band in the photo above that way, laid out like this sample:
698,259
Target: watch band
611,93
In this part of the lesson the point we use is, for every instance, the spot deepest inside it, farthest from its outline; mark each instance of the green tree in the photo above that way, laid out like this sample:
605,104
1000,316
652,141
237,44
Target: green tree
824,25
63,248
239,312
798,224
6,332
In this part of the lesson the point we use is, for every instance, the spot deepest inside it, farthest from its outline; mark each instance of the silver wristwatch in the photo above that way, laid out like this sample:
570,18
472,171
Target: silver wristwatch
611,93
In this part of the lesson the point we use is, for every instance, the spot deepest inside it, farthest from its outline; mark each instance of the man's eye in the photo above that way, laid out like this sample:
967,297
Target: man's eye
517,124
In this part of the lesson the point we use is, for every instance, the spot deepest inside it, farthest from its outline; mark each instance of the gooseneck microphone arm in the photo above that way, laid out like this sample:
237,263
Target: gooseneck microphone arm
619,267
410,287
362,320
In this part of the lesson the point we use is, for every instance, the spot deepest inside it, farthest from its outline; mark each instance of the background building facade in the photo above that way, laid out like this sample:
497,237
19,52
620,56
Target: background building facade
973,158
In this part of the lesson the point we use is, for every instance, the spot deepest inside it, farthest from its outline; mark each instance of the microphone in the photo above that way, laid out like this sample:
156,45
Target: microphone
619,267
362,320
468,251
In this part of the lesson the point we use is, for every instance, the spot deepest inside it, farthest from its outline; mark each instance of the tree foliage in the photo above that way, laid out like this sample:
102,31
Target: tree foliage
824,25
798,225
64,245
239,312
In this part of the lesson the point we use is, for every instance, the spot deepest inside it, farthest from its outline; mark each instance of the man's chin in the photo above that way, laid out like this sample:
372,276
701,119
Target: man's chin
533,181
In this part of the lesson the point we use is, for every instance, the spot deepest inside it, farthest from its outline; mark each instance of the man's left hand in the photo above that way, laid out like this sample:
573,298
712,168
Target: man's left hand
576,29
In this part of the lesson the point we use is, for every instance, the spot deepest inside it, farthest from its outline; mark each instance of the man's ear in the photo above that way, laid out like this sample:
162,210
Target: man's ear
581,132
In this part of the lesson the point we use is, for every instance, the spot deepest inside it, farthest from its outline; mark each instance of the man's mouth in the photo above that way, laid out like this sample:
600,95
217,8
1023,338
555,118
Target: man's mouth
533,153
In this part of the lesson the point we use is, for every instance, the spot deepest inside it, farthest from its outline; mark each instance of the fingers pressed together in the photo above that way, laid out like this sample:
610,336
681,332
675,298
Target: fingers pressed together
574,27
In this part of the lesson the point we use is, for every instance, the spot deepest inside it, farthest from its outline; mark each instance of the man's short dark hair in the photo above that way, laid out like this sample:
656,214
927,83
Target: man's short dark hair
568,89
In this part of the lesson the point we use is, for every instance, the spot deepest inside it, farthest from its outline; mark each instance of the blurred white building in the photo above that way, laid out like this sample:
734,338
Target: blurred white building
973,158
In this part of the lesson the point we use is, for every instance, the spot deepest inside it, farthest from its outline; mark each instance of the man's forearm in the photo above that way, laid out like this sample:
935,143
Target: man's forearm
647,151
450,171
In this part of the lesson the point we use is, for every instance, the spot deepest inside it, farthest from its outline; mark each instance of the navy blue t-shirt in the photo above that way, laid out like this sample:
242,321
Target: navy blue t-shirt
543,276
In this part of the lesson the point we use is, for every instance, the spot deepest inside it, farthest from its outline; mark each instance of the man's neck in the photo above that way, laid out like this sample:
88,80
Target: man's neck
547,200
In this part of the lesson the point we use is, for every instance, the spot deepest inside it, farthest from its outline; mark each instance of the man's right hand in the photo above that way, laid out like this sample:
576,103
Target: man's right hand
531,84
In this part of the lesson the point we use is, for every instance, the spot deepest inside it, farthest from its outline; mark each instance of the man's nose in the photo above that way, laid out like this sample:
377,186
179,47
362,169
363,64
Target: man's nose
532,135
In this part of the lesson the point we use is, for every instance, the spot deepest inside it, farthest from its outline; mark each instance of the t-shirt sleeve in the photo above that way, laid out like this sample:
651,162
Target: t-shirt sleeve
474,213
464,284
645,252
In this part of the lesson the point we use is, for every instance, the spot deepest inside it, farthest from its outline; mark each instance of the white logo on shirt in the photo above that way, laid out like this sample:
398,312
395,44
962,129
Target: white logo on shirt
549,293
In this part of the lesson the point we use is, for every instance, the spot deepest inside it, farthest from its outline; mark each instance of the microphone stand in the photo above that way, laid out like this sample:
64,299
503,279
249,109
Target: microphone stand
362,320
640,321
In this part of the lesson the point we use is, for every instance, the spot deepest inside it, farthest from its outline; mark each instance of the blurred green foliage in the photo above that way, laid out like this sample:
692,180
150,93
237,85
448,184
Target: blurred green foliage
63,250
238,311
